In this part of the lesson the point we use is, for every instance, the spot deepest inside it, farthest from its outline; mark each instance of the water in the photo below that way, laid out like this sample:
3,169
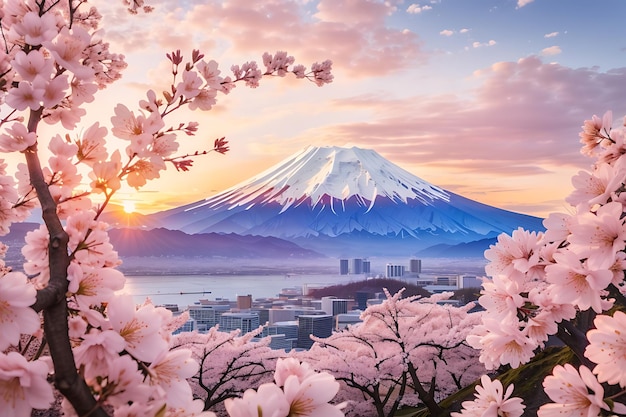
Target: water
186,290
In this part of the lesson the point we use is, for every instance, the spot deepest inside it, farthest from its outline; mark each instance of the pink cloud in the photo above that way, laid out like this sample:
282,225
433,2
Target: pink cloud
352,33
525,117
552,50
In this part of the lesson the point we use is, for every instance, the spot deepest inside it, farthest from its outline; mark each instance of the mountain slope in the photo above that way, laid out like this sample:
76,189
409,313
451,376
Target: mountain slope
330,197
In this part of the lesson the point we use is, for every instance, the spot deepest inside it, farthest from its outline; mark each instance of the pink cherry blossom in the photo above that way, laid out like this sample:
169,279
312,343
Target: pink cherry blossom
268,401
32,65
83,91
210,73
515,256
140,328
500,296
189,87
286,367
92,286
309,397
68,115
169,372
592,133
16,316
97,350
53,90
607,348
204,100
37,29
91,147
25,96
615,149
164,146
492,400
577,282
140,130
322,72
36,253
558,227
77,327
67,49
143,170
23,385
277,63
599,235
573,394
501,343
123,382
17,138
105,174
60,147
596,187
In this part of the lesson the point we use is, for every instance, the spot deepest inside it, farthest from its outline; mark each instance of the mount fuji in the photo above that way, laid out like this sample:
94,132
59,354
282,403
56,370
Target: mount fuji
345,202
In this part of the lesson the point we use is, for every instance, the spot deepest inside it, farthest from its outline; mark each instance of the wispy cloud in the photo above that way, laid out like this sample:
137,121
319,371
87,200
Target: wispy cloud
446,32
551,35
552,50
522,3
417,9
481,44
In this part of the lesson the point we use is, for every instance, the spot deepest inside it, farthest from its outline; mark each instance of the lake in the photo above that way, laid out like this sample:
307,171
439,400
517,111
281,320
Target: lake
185,281
185,290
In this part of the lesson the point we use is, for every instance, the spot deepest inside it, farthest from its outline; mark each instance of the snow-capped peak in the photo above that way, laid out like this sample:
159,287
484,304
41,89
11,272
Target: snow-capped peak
324,174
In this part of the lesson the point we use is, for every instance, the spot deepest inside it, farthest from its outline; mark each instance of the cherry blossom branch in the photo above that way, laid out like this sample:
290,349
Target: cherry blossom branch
219,146
51,300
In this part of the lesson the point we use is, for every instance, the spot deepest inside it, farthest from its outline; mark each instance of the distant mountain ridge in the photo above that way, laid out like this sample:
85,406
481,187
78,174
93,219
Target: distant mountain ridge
344,202
164,242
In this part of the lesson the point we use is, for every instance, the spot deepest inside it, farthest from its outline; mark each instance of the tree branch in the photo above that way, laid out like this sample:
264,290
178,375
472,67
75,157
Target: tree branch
51,300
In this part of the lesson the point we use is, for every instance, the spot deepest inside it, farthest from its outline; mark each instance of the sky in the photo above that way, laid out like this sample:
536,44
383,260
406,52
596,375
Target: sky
483,98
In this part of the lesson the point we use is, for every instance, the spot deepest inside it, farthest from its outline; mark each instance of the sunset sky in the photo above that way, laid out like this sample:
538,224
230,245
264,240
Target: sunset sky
484,98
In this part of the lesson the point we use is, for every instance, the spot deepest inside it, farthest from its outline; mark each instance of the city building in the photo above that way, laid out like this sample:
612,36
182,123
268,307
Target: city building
288,328
344,268
189,326
366,266
244,302
361,298
207,316
244,321
334,305
354,266
393,271
357,266
469,281
415,266
349,319
280,342
281,314
319,326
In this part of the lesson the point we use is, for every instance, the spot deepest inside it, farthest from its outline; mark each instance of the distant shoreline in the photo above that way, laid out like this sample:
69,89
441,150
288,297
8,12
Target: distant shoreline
173,266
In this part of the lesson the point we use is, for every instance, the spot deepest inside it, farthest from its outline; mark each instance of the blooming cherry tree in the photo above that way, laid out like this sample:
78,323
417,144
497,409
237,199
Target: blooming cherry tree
106,354
407,351
229,363
567,282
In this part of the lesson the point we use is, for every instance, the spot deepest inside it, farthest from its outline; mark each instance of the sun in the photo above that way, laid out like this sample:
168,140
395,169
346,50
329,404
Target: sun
129,206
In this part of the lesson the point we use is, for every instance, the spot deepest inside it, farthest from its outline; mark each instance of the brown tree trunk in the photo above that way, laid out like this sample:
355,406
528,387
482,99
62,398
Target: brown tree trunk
52,300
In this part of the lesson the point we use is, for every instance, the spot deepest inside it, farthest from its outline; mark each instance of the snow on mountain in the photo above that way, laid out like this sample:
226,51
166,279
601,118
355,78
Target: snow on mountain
344,196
